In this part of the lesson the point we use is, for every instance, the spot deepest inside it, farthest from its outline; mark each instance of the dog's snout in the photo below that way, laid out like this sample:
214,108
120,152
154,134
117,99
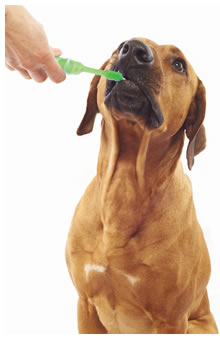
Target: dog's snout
136,52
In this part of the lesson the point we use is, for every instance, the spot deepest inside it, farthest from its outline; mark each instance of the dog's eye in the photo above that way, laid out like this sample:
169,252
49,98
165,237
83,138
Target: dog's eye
179,65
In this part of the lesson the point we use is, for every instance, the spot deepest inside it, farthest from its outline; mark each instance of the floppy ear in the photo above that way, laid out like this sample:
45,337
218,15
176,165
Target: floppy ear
195,130
88,120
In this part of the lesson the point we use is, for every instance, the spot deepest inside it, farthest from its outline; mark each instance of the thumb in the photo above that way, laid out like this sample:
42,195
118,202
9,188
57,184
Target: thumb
53,69
56,52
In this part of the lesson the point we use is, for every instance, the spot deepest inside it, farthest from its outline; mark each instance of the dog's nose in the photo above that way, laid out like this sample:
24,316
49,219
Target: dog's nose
136,52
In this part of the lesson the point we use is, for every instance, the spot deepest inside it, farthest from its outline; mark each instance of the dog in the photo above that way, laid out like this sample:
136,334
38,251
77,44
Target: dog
135,251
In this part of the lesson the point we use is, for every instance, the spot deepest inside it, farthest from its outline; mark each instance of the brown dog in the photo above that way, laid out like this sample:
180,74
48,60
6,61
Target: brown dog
135,251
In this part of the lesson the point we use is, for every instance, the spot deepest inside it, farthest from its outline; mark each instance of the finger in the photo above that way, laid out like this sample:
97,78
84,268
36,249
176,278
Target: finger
54,71
38,75
56,52
9,67
24,73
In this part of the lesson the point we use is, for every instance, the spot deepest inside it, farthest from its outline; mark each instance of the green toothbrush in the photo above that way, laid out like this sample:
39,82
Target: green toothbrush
71,67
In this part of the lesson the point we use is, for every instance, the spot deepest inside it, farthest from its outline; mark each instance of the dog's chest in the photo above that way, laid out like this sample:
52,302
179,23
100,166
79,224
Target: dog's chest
117,292
123,287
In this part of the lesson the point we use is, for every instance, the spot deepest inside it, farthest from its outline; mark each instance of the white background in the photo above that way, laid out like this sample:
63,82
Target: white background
48,167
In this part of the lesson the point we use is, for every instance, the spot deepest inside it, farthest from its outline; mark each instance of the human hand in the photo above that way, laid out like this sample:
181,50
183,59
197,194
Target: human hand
27,49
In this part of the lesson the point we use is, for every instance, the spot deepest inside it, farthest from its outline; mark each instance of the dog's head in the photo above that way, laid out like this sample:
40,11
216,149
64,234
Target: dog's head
160,92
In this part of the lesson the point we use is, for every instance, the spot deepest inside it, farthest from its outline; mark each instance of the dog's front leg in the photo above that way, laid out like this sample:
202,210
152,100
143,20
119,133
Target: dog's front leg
88,320
201,320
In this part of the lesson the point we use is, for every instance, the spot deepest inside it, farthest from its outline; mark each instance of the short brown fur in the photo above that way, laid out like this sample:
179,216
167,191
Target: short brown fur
135,251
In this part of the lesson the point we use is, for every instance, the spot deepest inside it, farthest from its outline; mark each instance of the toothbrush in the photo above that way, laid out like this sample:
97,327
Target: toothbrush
72,67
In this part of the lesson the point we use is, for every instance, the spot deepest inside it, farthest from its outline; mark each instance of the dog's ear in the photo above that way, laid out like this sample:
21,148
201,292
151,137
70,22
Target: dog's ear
88,120
195,130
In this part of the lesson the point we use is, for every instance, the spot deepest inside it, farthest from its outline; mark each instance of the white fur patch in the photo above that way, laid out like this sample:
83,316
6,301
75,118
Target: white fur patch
93,267
132,279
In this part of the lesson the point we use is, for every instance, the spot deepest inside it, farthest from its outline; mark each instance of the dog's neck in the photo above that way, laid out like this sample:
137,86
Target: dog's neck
135,172
151,158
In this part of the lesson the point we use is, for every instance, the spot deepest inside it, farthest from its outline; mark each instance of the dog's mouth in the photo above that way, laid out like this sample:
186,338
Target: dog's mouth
130,98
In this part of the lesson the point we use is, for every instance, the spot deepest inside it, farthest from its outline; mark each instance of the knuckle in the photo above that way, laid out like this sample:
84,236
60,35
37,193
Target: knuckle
27,64
40,57
44,56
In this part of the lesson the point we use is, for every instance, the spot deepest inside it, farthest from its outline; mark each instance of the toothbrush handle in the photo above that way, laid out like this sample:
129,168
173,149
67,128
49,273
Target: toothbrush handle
109,74
70,66
73,67
94,71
